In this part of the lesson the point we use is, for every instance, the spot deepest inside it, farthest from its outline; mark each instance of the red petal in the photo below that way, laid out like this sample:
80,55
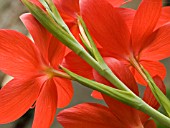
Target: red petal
97,95
127,15
150,124
74,63
106,25
70,7
46,106
137,76
16,98
88,115
145,20
150,99
40,35
153,67
118,2
106,53
56,52
158,45
52,50
68,10
64,91
18,55
123,112
165,17
75,31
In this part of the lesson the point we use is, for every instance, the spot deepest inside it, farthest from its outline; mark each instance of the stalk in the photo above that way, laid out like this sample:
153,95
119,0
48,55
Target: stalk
159,95
126,97
154,114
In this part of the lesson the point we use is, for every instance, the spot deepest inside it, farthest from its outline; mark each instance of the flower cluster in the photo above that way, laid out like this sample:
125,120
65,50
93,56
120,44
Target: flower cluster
130,42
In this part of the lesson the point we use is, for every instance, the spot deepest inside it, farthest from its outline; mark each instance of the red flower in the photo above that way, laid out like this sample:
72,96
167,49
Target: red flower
91,115
142,38
31,65
69,9
117,114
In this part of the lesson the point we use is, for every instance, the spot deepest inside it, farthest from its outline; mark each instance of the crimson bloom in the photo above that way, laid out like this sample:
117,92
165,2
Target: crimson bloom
117,114
145,42
69,10
112,28
32,65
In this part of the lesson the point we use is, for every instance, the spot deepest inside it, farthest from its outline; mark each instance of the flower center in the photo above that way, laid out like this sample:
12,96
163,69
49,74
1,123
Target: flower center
50,72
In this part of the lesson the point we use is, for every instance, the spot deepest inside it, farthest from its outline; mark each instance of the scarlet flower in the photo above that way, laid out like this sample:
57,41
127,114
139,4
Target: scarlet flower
69,9
127,35
146,41
32,65
117,114
95,115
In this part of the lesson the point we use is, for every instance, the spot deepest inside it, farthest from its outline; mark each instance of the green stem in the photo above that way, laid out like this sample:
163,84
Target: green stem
87,35
159,95
53,12
123,96
155,114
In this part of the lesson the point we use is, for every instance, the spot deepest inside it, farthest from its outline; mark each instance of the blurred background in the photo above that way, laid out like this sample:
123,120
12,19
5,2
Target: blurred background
10,10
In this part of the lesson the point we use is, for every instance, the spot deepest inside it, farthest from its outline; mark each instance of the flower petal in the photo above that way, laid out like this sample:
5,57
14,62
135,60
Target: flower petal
88,115
118,2
40,35
56,52
97,95
52,50
70,7
74,63
165,17
127,15
145,20
76,33
153,67
158,45
106,25
123,112
64,91
46,106
16,97
18,55
149,98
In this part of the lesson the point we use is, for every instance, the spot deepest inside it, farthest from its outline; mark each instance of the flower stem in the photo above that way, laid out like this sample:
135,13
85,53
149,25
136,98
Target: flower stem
126,97
159,95
154,114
